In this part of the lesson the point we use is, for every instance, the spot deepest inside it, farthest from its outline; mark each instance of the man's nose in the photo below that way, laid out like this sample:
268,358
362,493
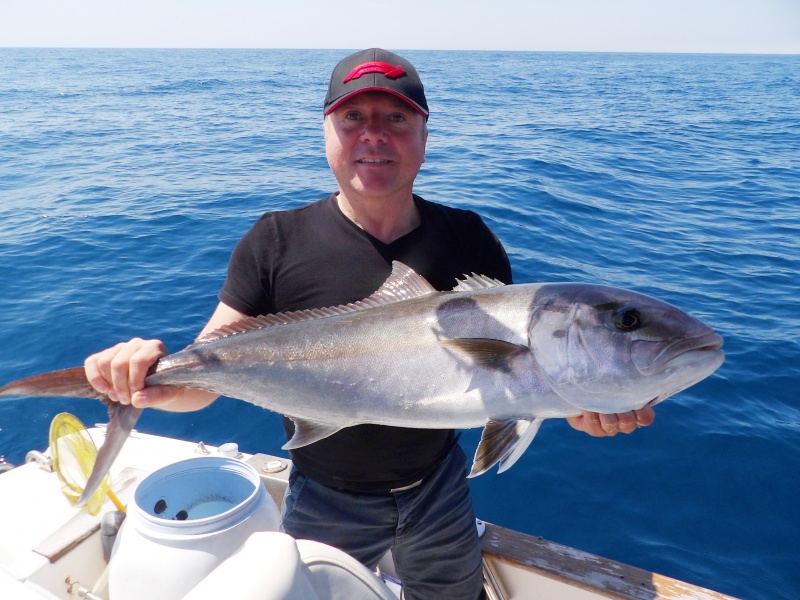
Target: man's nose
374,129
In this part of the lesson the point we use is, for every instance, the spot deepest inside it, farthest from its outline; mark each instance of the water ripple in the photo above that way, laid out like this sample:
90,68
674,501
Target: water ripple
127,177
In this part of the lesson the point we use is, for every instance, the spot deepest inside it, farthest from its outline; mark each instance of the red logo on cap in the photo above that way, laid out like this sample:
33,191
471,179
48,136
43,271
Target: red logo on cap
390,71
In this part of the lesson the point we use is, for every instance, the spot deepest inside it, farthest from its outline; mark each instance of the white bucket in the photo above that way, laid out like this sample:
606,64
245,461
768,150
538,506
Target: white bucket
185,519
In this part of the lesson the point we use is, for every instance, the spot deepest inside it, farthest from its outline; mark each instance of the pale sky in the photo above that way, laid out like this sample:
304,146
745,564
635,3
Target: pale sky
727,26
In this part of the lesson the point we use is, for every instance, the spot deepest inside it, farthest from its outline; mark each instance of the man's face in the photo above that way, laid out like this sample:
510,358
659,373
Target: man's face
375,144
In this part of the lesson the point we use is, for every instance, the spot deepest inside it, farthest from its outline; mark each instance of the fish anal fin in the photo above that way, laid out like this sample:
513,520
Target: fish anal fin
308,431
503,442
488,353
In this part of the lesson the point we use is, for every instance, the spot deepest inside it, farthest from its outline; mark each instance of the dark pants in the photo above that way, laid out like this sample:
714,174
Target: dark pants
430,529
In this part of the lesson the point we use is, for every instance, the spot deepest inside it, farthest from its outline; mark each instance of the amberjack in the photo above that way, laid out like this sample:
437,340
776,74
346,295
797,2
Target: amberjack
501,357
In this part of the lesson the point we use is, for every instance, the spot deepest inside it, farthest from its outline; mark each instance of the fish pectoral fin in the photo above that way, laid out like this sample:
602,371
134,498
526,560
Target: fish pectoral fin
488,353
308,431
503,442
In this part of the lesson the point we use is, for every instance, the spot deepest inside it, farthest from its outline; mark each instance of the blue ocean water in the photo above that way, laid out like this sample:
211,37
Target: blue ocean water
126,178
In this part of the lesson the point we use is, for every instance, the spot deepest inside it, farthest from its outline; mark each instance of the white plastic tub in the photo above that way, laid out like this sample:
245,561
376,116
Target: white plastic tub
185,520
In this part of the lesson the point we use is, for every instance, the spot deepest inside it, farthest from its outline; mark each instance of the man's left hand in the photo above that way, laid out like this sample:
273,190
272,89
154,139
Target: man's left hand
598,425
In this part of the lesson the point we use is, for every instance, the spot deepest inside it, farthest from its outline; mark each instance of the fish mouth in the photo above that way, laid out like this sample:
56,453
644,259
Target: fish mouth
710,342
702,348
703,355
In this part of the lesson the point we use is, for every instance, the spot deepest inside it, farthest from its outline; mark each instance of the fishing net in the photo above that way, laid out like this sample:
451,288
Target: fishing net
74,454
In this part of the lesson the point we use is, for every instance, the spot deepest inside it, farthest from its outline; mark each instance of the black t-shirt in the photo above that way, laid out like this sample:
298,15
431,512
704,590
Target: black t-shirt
313,257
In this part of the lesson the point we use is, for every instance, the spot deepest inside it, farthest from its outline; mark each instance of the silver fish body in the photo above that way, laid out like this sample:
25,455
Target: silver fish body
483,355
396,364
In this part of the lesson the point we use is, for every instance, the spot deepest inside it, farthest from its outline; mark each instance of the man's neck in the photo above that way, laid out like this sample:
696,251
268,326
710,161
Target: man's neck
387,220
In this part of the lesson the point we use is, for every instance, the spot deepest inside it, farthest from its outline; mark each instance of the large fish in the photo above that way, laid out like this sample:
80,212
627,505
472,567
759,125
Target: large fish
482,355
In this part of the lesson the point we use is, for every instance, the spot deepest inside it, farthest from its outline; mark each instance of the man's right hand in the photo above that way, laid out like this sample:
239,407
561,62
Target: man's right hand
120,371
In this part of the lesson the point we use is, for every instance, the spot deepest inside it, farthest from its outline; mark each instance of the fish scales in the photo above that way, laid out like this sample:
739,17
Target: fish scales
386,365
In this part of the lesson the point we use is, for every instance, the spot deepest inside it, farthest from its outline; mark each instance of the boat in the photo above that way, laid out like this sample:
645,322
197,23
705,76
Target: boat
49,549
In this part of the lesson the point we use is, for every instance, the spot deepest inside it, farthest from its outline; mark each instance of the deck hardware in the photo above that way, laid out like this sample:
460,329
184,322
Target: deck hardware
274,466
481,527
229,449
45,462
79,590
491,583
201,449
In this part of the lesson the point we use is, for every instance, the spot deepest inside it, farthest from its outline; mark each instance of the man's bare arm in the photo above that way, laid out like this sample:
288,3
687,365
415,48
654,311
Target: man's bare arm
120,371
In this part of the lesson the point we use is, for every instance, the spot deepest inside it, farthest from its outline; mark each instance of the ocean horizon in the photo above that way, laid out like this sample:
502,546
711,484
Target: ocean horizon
128,175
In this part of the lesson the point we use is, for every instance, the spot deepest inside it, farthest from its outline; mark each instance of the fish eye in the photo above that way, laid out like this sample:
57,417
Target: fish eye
627,319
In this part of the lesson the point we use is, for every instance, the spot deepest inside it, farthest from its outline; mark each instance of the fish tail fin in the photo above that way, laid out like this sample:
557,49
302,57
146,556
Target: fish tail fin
73,383
123,417
66,382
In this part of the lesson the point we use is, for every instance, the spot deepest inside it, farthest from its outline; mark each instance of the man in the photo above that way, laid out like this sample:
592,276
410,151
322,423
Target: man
368,488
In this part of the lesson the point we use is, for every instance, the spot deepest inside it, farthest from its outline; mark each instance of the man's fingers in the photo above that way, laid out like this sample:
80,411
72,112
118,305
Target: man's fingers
120,367
610,424
141,361
94,376
120,371
599,425
645,416
627,422
156,396
98,369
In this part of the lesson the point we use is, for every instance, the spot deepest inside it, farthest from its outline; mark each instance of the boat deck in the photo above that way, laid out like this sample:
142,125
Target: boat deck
49,550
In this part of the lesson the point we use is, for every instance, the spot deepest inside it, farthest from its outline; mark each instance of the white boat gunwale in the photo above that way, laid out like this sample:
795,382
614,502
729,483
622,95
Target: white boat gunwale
518,566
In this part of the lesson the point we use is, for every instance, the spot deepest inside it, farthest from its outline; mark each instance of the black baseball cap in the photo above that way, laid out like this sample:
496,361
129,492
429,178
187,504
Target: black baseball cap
375,70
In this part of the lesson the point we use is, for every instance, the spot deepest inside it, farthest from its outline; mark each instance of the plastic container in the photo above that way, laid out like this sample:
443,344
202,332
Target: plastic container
185,519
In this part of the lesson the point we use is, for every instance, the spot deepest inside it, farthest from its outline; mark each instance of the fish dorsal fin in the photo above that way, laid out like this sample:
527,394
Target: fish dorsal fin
473,282
253,323
403,284
503,442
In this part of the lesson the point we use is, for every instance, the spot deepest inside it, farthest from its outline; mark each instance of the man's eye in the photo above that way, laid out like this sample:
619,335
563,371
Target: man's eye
352,116
397,118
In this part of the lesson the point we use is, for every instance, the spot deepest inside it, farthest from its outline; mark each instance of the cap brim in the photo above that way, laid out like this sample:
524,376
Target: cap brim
339,101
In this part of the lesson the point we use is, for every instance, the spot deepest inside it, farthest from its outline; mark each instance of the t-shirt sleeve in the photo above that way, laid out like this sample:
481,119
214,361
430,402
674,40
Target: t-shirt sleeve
246,285
492,255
